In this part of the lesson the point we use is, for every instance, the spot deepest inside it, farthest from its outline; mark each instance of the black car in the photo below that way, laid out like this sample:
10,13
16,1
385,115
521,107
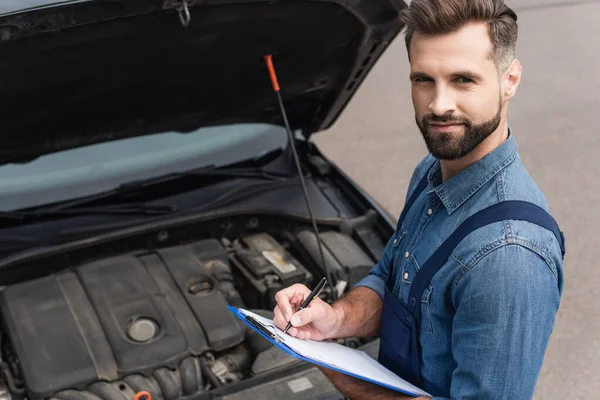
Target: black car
150,176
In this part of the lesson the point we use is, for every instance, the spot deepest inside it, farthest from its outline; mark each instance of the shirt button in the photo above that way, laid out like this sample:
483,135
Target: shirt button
407,254
395,242
429,212
405,276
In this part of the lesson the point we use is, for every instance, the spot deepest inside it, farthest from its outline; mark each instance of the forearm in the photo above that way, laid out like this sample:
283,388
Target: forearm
362,391
359,313
357,389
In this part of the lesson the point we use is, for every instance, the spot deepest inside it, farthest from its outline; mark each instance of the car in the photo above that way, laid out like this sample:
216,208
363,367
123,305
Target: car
157,165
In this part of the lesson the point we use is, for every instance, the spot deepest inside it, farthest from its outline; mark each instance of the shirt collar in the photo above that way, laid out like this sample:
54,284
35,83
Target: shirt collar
458,189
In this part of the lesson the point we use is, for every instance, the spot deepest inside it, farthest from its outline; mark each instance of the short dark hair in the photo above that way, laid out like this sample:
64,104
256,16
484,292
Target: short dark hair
434,17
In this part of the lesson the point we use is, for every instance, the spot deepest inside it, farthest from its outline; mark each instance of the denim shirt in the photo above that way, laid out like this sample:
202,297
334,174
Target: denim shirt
488,313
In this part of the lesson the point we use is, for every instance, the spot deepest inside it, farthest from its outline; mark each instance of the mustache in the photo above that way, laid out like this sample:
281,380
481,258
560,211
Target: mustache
444,118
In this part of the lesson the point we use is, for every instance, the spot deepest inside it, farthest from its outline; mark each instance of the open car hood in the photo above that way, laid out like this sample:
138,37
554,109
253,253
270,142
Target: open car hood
86,72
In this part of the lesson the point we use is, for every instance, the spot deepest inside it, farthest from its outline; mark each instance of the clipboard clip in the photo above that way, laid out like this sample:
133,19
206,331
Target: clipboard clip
264,329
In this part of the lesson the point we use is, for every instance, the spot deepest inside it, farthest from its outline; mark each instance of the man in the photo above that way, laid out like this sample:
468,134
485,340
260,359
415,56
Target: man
485,314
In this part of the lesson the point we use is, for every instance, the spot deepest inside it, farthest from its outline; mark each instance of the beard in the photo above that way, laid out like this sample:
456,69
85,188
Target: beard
448,146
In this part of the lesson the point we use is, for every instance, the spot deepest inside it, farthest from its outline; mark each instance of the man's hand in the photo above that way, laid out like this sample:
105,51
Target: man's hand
357,389
318,321
356,314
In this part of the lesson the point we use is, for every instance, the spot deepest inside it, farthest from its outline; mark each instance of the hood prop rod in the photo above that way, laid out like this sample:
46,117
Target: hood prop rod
276,89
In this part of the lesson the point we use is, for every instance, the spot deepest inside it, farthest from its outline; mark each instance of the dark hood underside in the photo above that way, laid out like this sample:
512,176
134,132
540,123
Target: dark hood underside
87,73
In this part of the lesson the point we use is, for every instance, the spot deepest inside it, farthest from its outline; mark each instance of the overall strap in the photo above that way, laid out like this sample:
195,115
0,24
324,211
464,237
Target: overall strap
505,210
413,197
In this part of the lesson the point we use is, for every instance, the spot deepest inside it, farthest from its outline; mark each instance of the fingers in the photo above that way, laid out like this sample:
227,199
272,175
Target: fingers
278,318
288,300
287,297
293,332
302,334
315,311
281,323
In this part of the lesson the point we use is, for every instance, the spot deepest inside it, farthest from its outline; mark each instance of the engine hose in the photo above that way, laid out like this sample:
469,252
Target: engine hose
9,360
238,359
10,380
207,372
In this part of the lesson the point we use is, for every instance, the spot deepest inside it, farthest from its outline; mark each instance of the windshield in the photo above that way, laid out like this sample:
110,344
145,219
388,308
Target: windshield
91,169
11,6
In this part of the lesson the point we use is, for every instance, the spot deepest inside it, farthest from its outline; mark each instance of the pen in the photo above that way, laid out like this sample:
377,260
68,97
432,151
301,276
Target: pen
307,301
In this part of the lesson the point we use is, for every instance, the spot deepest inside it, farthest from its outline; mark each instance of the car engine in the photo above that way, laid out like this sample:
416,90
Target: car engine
156,321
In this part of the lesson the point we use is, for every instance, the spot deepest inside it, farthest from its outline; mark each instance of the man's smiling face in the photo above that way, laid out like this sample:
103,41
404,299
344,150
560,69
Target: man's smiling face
456,89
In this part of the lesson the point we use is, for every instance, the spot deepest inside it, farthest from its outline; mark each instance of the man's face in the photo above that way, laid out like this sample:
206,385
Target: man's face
455,90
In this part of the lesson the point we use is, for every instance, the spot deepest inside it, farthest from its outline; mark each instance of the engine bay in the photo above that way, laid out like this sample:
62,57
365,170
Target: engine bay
156,320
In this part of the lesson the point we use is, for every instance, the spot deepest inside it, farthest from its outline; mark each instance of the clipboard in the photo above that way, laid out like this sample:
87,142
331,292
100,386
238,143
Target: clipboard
373,372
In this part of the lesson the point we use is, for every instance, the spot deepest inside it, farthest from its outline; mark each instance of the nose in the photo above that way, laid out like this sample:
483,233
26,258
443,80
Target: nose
443,102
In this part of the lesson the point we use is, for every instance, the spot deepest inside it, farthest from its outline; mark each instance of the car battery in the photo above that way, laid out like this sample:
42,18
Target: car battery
264,267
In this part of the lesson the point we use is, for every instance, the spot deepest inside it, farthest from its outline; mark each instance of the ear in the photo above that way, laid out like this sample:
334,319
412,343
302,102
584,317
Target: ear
510,80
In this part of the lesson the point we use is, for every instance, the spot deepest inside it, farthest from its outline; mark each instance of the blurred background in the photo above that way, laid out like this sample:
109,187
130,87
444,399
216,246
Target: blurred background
558,131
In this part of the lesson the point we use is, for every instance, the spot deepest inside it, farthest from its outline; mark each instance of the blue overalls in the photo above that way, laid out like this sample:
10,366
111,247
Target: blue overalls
399,333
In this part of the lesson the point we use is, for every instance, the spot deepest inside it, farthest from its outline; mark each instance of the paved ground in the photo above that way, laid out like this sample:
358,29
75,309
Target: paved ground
556,124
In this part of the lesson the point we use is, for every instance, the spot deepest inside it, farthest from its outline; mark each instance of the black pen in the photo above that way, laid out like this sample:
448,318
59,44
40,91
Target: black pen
312,294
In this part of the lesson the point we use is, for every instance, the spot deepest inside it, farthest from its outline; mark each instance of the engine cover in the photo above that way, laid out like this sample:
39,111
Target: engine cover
120,316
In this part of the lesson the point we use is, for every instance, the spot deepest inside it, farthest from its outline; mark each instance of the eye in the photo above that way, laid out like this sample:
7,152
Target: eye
423,79
464,80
